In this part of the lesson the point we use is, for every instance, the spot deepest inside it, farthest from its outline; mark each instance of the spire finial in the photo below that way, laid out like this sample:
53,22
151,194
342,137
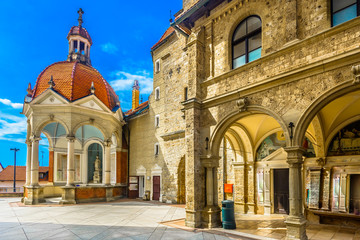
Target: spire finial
29,90
92,88
80,12
170,20
136,85
51,82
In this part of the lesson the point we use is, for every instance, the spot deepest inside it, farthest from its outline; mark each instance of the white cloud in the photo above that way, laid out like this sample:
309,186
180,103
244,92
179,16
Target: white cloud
109,48
11,104
12,128
124,81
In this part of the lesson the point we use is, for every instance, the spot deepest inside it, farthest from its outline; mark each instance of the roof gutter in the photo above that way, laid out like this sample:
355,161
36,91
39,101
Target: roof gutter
180,31
188,13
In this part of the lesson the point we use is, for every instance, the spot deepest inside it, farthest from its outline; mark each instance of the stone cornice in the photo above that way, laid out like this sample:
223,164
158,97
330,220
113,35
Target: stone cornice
318,67
192,103
174,135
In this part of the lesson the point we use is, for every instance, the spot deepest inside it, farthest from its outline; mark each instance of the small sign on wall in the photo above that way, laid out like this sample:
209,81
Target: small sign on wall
228,188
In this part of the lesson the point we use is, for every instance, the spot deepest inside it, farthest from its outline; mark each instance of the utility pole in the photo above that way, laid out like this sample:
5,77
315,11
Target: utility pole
15,150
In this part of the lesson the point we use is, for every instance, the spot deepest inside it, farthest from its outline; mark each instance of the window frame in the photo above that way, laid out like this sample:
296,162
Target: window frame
156,149
157,93
157,66
157,121
333,13
245,38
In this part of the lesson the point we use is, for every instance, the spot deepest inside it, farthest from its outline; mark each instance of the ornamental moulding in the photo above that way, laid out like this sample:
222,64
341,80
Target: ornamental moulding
356,71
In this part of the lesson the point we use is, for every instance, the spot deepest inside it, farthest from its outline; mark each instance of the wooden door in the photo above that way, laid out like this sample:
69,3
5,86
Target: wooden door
156,188
281,191
133,187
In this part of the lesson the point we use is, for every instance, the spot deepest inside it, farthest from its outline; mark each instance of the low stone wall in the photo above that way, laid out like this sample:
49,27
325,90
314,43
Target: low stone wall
11,194
99,193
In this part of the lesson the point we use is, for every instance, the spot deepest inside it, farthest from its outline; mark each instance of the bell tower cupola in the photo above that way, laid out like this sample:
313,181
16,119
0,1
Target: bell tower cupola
79,43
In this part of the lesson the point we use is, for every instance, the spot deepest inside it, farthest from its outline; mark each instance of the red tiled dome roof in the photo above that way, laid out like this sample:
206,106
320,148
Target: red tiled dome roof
76,30
73,81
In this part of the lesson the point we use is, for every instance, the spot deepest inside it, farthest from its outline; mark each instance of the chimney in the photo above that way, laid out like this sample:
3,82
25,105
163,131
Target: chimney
135,94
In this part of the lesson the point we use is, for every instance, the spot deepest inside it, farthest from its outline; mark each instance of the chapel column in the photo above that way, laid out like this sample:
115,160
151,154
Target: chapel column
70,161
35,161
28,162
211,211
295,222
107,162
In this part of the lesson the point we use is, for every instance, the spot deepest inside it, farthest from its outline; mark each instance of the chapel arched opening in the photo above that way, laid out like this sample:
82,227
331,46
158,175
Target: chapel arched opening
332,173
253,163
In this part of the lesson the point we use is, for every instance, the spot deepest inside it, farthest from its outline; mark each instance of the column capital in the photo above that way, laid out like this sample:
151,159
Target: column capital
295,155
209,161
34,138
70,138
108,143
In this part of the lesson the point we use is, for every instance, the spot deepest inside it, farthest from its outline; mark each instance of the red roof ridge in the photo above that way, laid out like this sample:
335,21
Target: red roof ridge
141,106
166,34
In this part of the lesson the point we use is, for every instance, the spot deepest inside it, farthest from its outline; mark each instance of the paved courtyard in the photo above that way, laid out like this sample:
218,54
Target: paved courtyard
127,219
115,220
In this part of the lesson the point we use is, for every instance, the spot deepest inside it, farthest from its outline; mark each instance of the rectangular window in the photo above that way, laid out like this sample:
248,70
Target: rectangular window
344,10
157,93
186,93
157,121
157,66
156,149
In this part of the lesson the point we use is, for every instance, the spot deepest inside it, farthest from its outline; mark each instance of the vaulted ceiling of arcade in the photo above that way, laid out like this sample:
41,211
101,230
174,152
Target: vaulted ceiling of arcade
259,133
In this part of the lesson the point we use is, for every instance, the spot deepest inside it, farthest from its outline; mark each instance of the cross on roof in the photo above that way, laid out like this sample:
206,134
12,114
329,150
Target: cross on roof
80,12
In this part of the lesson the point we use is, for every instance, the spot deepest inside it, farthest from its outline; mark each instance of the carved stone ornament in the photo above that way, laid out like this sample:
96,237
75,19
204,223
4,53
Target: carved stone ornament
242,104
51,116
321,161
356,71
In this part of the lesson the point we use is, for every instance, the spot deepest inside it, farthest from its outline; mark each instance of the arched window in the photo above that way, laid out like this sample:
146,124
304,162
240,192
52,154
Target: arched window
246,41
344,10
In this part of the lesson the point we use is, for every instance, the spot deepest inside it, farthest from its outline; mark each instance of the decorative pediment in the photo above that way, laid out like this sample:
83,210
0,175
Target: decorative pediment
141,170
91,104
278,155
49,97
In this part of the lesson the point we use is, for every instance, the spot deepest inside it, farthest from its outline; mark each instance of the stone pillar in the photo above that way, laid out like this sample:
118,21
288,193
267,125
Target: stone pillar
78,46
51,166
342,198
295,222
239,188
35,162
211,213
107,162
28,162
250,187
325,203
70,161
194,171
267,192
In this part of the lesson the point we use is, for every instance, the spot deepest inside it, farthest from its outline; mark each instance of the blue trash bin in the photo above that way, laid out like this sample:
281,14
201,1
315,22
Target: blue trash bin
228,216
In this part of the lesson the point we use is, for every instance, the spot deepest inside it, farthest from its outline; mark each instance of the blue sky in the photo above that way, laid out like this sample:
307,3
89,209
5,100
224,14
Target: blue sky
33,36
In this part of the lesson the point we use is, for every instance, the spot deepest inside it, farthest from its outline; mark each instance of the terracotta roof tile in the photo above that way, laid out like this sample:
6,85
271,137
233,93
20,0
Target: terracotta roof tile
8,173
167,33
137,110
76,30
73,81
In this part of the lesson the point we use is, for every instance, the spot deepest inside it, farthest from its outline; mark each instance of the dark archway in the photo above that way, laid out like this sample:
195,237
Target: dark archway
94,150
